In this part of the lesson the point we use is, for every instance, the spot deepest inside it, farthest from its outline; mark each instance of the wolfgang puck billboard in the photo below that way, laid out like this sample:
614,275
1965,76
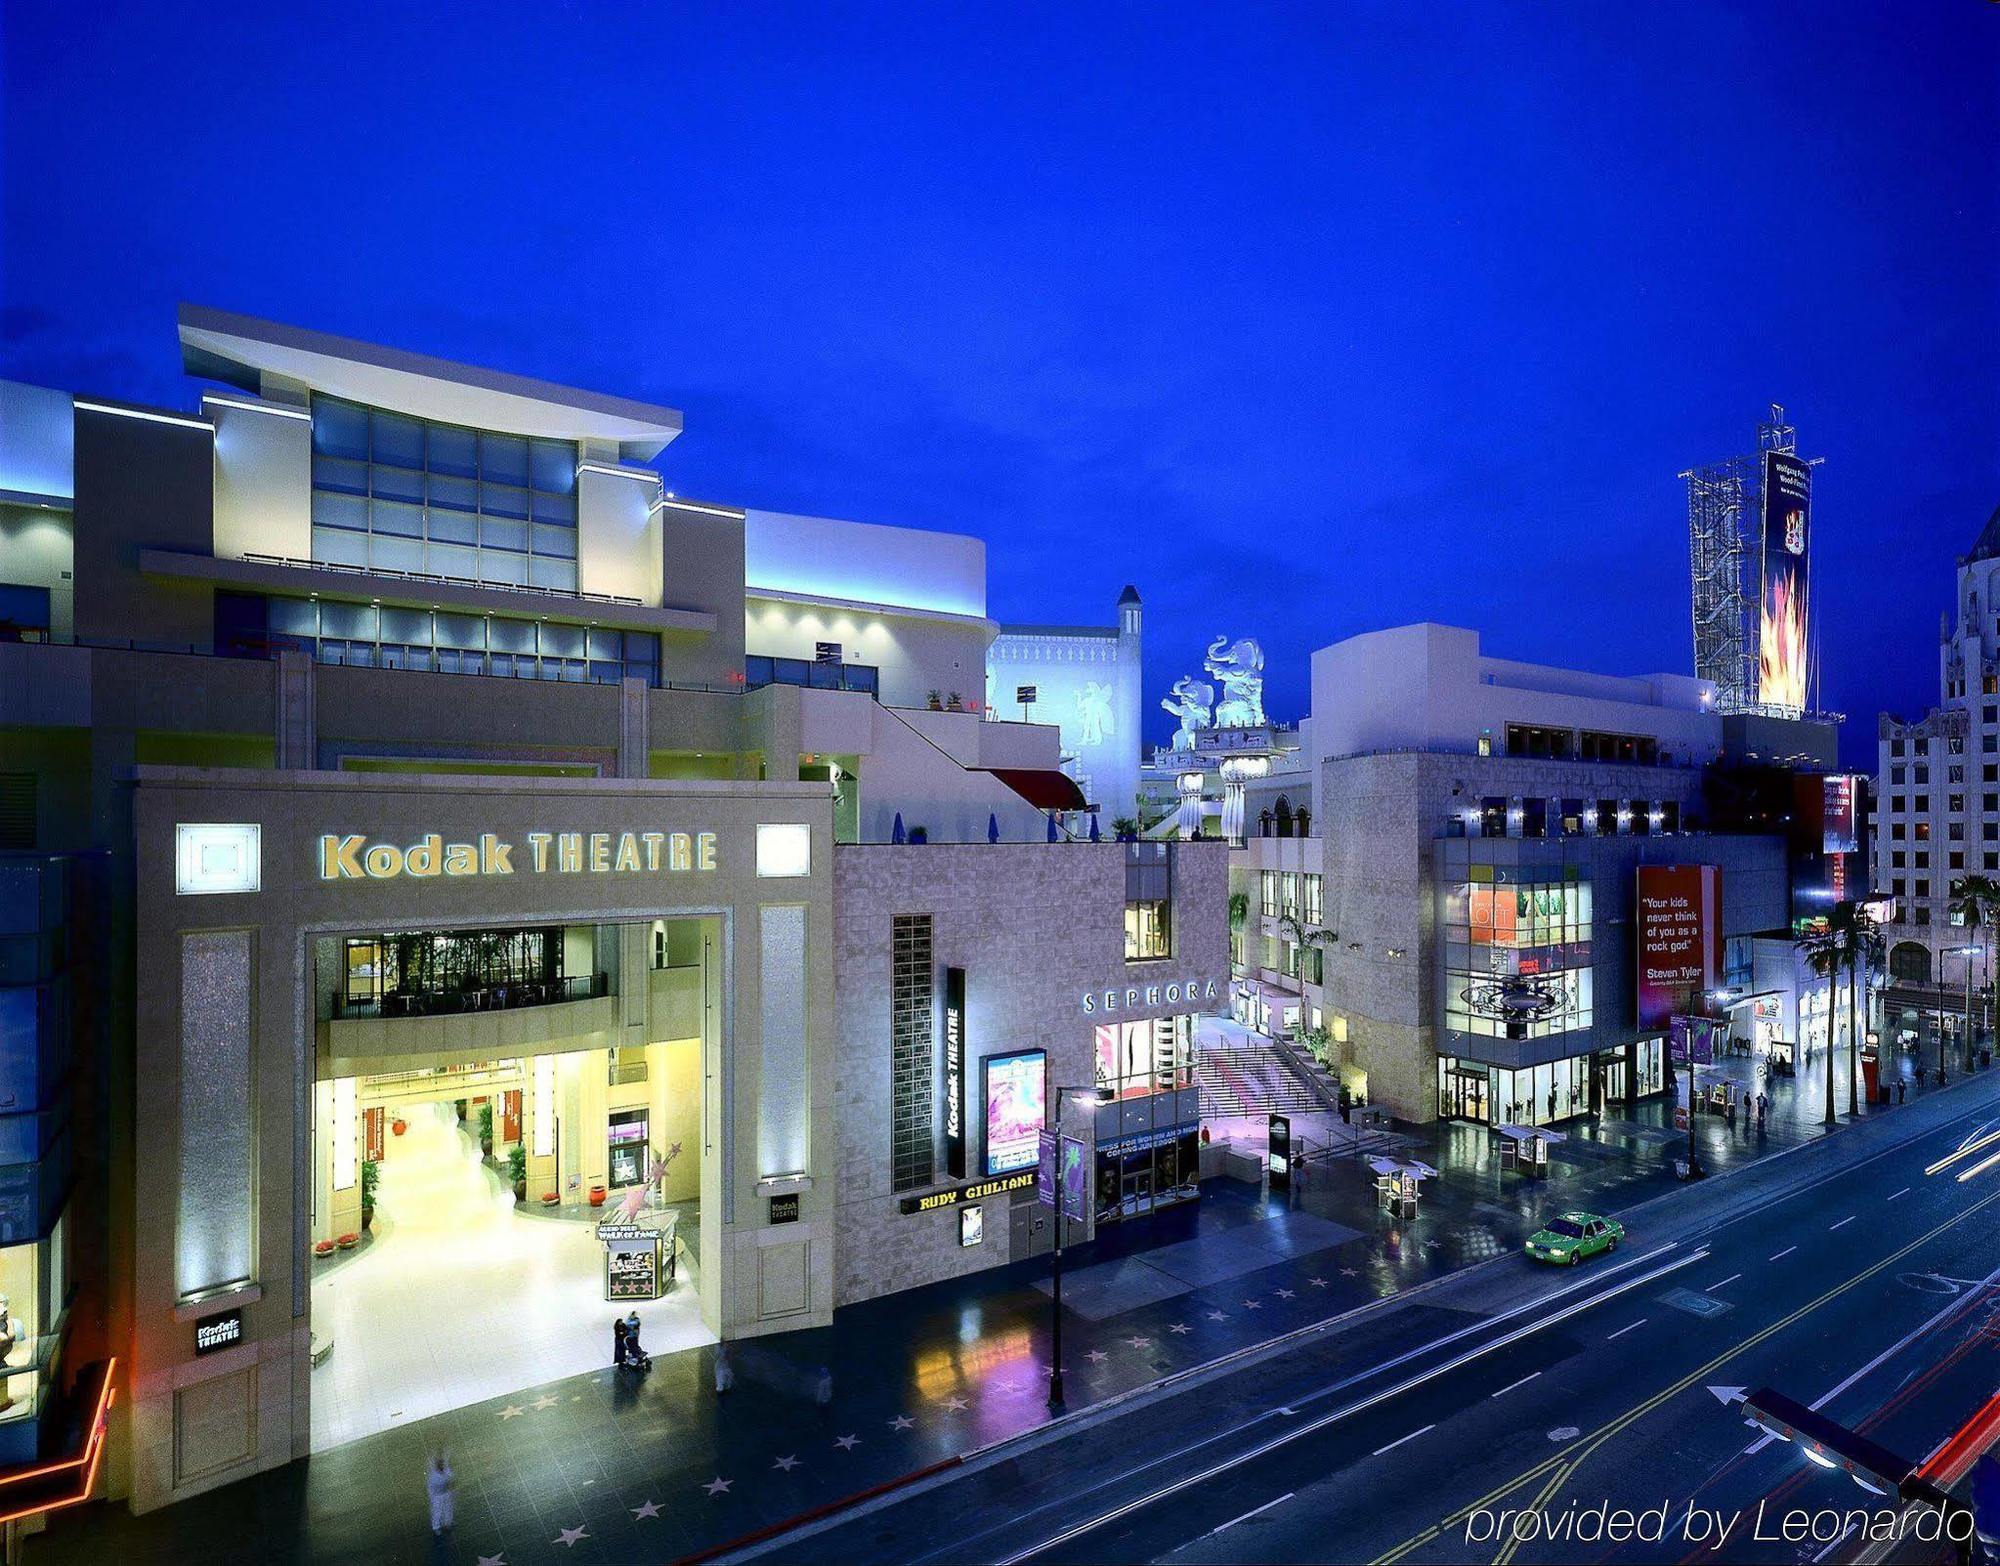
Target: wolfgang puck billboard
1782,624
1680,940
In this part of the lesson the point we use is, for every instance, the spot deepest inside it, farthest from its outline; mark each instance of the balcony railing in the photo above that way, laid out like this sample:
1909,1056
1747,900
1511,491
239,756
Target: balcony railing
471,998
393,574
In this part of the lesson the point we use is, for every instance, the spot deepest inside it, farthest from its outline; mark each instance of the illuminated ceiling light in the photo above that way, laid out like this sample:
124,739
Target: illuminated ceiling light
182,420
1817,1456
256,407
215,857
643,475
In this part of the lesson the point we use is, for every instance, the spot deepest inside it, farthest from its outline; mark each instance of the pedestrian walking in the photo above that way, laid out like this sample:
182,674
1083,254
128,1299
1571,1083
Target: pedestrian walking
823,1391
725,1373
1902,1090
617,1341
439,1484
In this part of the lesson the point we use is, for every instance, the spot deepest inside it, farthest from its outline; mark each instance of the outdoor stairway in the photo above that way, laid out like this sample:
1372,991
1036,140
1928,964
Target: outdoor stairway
1249,1079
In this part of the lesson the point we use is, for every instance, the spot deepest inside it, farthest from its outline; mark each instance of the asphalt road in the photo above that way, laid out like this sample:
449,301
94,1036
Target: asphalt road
1859,1276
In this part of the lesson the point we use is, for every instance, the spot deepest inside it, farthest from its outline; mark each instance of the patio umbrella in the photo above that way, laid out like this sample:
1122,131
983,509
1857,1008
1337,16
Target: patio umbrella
1054,837
993,828
1095,836
896,832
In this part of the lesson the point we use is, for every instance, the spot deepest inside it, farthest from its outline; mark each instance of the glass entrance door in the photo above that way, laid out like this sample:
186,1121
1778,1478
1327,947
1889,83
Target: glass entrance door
1465,1096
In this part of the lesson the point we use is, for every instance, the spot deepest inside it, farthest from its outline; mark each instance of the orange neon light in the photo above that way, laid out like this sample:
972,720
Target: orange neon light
90,1457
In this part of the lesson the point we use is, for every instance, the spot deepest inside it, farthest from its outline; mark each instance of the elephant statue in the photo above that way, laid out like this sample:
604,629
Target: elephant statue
1240,668
1193,702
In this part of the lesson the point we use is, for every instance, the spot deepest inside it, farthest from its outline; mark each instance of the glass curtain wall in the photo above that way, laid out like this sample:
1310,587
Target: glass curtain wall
395,493
1155,1160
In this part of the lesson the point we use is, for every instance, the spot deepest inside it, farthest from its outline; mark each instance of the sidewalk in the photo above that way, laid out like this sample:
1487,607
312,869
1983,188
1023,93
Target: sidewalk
594,1468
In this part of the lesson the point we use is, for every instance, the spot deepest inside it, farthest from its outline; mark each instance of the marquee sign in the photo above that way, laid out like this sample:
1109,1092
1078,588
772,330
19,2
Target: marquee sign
1021,1180
1132,997
353,856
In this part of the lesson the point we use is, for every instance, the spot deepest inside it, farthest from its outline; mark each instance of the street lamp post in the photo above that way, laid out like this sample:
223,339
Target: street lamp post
1968,953
1098,1095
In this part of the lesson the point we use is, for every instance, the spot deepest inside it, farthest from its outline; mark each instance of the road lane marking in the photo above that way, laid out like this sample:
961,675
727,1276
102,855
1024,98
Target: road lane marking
1621,1331
1782,1254
1513,1384
1724,1282
1254,1511
1904,1192
1841,1225
1360,1405
1566,1463
1401,1440
1969,1146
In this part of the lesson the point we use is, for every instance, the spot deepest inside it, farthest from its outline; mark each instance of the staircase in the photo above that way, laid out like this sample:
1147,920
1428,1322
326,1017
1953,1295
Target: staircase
1249,1079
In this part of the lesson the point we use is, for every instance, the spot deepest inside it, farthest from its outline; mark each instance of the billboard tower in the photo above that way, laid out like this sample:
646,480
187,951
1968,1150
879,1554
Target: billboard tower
1750,568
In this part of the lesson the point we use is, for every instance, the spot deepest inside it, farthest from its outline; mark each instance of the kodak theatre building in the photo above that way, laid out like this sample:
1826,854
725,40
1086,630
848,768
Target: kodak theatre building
501,891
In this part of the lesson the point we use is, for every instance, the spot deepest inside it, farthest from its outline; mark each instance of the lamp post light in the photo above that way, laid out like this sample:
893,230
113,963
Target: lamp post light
1968,953
1097,1095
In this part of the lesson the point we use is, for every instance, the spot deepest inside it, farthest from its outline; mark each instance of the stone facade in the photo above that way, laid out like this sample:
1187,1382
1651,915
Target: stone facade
1036,927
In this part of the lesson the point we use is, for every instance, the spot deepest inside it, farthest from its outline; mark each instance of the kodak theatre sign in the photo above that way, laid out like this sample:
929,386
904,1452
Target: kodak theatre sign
353,857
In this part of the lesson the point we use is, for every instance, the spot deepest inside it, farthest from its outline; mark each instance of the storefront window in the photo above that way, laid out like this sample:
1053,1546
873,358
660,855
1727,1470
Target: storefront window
627,1135
1154,1056
1148,931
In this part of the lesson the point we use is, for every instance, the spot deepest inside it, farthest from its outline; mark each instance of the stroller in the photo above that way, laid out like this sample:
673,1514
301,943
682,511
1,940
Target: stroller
631,1355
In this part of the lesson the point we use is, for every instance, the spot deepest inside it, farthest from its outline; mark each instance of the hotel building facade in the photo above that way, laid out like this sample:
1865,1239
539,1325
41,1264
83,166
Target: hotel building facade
440,783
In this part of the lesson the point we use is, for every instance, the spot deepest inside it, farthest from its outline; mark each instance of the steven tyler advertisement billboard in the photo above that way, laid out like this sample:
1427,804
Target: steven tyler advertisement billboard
1782,616
1680,941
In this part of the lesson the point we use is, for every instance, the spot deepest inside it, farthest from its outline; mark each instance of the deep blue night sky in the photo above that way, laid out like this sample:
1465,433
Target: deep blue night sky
1306,320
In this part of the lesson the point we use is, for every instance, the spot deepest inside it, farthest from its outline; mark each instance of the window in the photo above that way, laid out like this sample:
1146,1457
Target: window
1896,859
759,672
1923,831
1922,804
1957,803
1923,886
1149,897
1900,886
1898,830
396,493
1896,775
1896,746
1923,773
1923,859
1525,739
1899,802
626,1134
1955,774
1309,899
1956,860
1923,915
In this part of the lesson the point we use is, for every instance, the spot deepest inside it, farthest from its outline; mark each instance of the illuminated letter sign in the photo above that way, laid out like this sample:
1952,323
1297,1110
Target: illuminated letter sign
212,1334
352,856
954,1073
1190,990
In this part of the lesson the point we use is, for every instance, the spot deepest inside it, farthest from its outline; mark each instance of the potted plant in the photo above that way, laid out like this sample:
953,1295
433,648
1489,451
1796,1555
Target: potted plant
322,1249
937,701
1125,829
486,1130
597,1195
348,1241
920,834
517,1171
371,1172
955,702
550,1199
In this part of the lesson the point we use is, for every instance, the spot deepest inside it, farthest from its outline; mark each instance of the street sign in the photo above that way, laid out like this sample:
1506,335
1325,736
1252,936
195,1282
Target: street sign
1027,695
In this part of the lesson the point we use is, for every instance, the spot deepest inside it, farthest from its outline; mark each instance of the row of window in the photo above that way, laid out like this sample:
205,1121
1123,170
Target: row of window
249,625
1954,743
1542,743
1291,894
759,671
1497,816
483,563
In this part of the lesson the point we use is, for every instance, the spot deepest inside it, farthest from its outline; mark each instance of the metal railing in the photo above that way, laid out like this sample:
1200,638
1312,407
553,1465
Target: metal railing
394,574
474,998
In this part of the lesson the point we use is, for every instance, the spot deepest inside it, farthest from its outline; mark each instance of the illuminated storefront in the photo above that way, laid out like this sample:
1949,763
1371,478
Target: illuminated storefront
1148,1149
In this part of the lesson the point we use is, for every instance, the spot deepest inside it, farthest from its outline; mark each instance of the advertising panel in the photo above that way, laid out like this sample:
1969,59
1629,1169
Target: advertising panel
1696,1037
954,1073
1782,640
1017,1101
1680,939
1075,1178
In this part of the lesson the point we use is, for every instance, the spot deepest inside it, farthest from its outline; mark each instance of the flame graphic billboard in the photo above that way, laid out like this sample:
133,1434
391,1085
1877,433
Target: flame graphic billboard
1783,621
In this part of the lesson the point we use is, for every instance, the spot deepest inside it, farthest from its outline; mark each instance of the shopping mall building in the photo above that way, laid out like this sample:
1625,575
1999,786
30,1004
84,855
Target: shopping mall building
443,868
1446,884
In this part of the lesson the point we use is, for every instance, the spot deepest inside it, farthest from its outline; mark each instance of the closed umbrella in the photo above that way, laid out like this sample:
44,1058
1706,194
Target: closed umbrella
896,833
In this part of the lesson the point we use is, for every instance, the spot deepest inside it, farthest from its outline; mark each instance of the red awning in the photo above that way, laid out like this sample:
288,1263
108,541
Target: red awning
1043,788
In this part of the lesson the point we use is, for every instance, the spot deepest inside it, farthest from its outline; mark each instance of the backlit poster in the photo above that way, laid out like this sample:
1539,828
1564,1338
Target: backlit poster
1680,940
1782,618
1017,1099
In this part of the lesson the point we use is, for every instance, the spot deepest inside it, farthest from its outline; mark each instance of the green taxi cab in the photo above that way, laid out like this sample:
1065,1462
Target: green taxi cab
1568,1239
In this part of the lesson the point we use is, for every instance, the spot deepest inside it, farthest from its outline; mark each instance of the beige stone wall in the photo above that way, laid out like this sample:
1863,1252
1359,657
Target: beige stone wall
1035,927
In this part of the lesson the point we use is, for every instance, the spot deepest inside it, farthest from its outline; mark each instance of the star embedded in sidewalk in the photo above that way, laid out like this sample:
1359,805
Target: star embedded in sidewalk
1098,1356
492,1560
1318,1283
1218,1315
1286,1294
1180,1327
544,1401
718,1485
955,1403
568,1537
1349,1272
901,1422
847,1443
641,1513
785,1465
1140,1342
1252,1305
511,1412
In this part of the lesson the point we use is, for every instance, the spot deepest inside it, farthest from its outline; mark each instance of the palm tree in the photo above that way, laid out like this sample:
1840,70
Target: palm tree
1853,931
1975,899
1822,950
